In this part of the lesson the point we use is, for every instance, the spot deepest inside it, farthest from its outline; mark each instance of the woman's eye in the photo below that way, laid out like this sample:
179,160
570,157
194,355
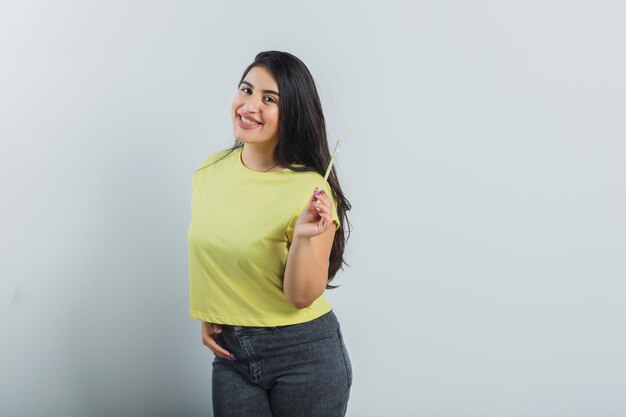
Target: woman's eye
247,90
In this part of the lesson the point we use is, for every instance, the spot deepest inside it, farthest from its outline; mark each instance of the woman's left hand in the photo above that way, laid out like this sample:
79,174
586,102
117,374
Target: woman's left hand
316,218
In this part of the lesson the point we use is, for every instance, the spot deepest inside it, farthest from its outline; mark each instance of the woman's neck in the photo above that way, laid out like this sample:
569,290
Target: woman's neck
259,157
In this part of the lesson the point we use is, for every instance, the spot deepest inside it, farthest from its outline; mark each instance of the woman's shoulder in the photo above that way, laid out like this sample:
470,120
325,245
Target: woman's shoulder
214,156
312,179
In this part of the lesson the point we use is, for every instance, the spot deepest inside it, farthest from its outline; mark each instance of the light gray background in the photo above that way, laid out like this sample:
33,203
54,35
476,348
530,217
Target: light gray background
483,153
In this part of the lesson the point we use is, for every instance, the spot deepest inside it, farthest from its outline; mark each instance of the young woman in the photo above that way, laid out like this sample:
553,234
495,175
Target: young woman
264,243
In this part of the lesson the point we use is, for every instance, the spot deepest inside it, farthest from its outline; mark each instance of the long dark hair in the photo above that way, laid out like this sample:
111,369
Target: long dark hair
302,136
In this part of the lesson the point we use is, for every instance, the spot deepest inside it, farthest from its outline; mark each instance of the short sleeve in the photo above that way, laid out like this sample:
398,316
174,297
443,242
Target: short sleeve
202,165
292,223
208,160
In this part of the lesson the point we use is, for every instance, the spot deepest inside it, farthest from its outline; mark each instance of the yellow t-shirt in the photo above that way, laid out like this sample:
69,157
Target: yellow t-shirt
242,225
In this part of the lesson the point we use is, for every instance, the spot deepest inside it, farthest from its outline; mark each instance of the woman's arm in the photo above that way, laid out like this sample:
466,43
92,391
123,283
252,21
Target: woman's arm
306,273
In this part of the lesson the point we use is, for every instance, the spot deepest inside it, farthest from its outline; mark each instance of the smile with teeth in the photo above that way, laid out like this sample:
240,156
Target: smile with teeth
248,121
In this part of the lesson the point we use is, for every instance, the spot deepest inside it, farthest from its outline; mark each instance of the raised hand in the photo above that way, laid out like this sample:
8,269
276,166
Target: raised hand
316,218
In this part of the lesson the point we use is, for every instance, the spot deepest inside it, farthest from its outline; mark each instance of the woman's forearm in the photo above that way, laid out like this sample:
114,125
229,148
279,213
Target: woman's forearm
305,280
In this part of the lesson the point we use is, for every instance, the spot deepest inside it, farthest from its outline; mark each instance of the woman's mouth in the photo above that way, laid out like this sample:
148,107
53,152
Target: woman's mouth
247,123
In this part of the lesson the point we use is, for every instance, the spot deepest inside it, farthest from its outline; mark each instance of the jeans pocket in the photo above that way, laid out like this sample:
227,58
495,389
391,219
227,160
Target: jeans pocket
346,357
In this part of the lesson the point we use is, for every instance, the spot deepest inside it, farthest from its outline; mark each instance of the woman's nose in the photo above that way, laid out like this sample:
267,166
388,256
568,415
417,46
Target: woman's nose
253,103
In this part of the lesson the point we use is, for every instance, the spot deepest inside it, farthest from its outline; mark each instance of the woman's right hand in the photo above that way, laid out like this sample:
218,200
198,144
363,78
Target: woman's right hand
210,333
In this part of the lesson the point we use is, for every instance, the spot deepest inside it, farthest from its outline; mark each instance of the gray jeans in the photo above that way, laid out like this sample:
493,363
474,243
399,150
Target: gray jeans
296,370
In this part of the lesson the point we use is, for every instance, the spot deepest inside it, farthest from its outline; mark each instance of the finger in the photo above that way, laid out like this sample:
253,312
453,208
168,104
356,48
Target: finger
206,328
319,198
212,344
325,195
328,220
325,198
320,195
212,328
209,339
321,207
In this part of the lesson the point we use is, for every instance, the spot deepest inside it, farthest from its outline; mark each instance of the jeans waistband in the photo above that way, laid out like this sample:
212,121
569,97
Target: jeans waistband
325,322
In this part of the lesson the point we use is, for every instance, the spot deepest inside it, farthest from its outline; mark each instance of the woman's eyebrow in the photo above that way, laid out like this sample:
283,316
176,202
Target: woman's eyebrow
265,91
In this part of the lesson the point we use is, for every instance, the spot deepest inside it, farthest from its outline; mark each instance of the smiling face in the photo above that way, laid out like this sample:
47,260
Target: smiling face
255,108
